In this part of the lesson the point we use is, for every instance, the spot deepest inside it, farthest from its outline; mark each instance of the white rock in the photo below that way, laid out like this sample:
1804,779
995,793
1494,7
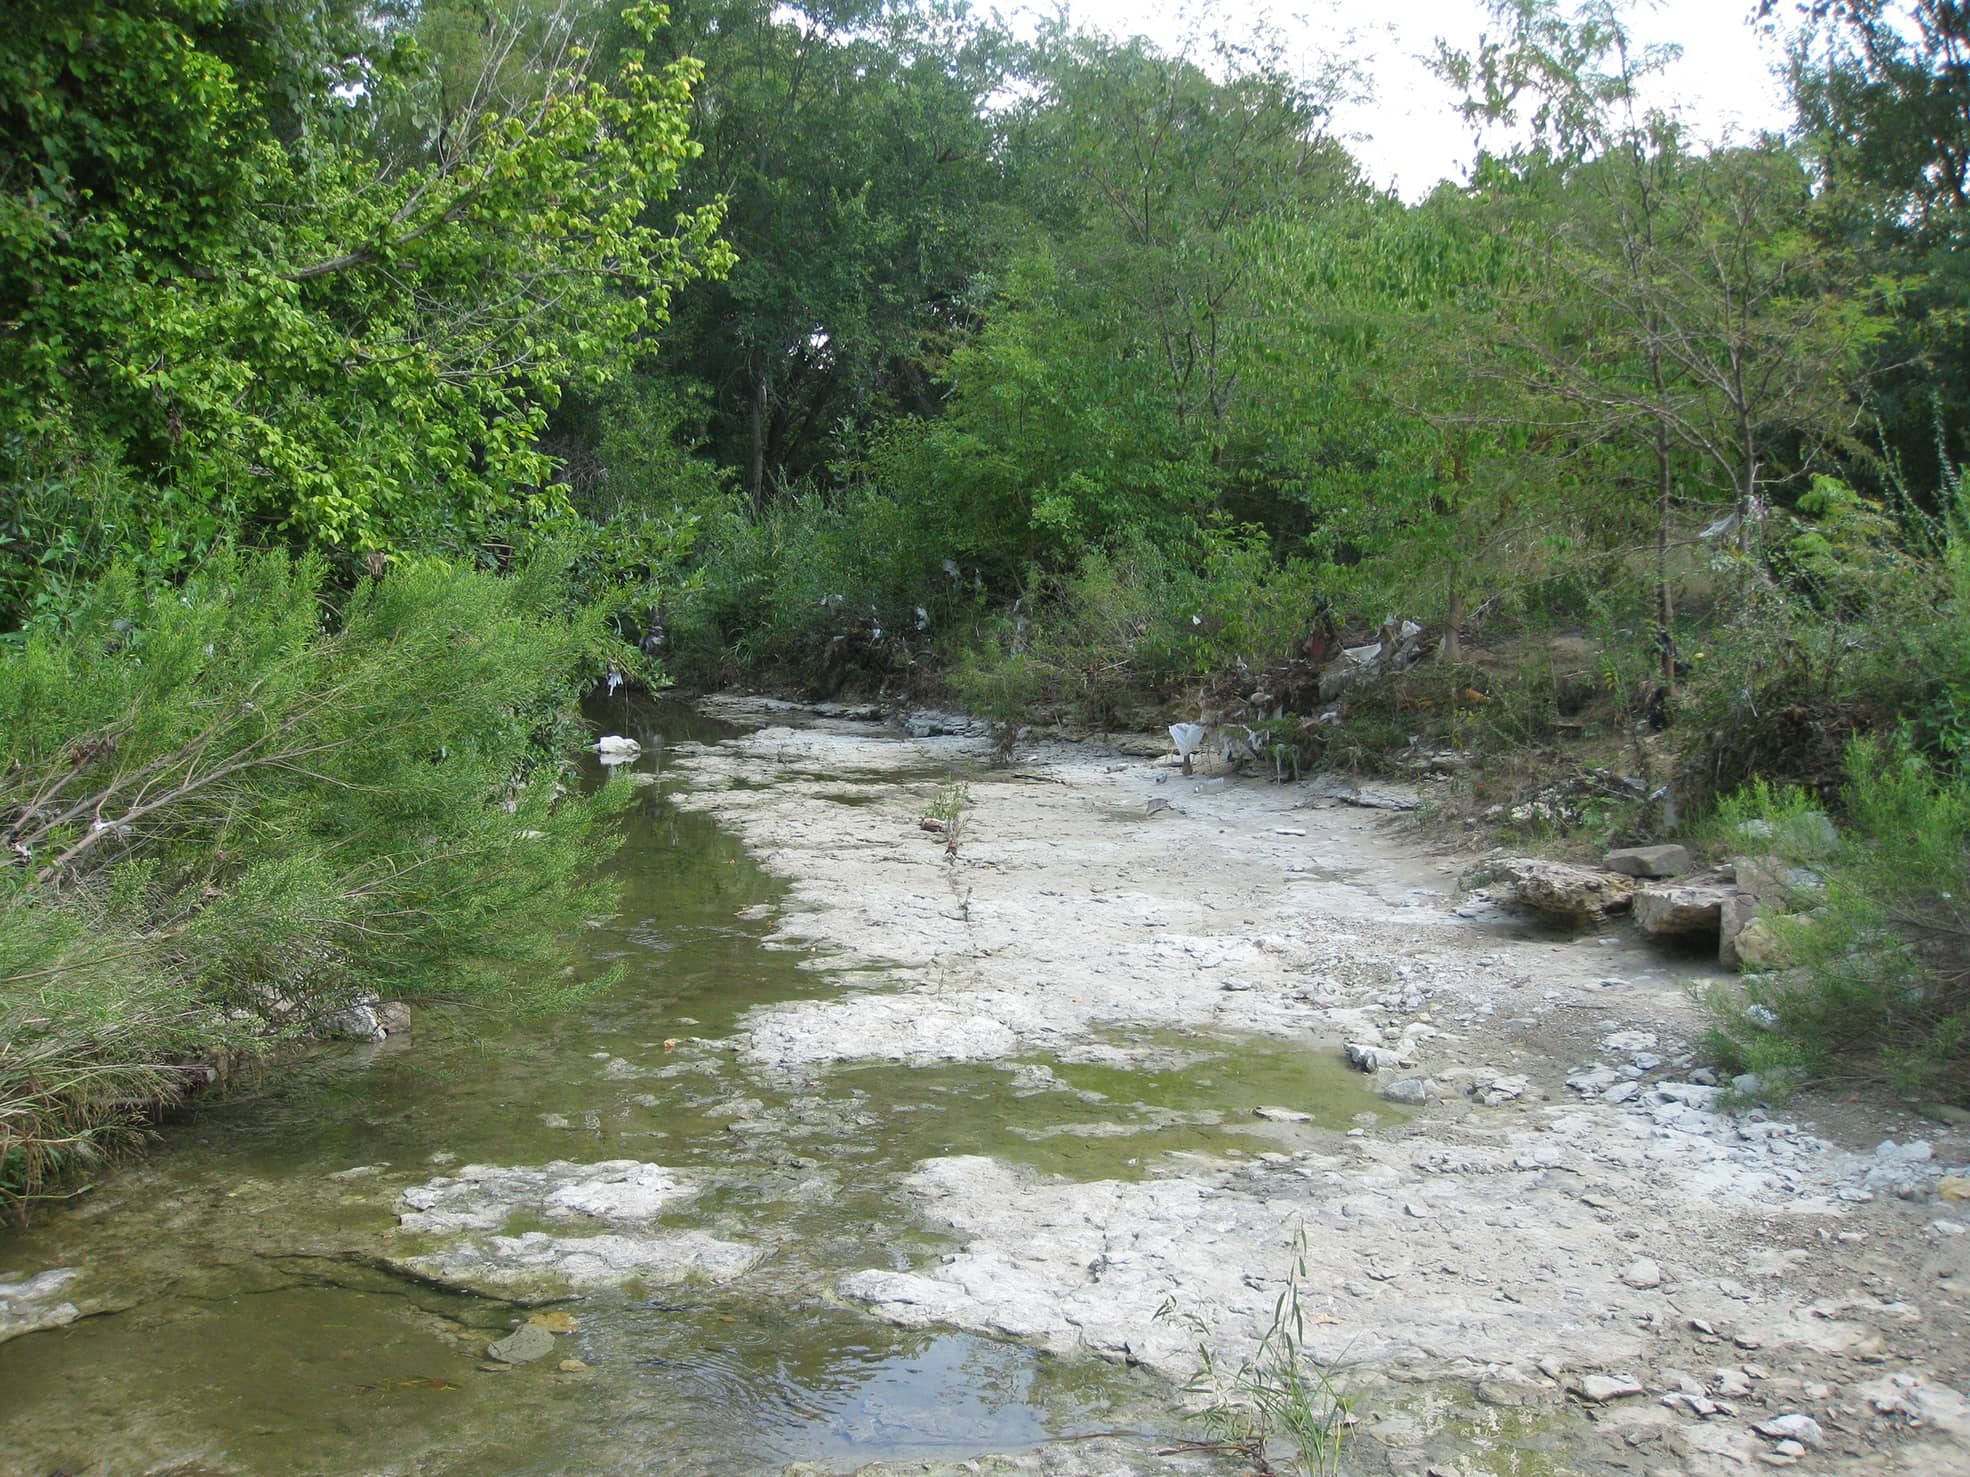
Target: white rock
1491,1089
1792,1427
32,1304
1412,1090
1368,1057
1601,1388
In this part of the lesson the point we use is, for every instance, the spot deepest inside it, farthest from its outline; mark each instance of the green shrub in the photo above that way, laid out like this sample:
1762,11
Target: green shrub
1860,624
68,511
228,810
1141,623
826,591
1876,932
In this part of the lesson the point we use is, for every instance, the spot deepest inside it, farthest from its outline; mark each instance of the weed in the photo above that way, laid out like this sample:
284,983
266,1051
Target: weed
948,811
224,815
1278,1394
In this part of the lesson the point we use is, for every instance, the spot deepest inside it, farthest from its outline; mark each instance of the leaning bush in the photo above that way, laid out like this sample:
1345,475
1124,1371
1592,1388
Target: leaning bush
230,809
1873,974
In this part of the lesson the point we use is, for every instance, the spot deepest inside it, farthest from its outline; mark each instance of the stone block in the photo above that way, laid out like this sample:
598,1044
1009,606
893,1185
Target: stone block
1649,861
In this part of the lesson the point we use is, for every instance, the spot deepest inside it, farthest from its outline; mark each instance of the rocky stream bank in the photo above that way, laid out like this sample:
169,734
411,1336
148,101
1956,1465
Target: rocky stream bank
1552,1212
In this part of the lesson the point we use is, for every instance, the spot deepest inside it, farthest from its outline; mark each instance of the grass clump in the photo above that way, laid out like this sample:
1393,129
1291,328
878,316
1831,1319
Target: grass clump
947,814
1277,1398
229,810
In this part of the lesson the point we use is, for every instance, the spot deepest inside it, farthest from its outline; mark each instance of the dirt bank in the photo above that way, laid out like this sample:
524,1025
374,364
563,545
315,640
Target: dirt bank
1494,1228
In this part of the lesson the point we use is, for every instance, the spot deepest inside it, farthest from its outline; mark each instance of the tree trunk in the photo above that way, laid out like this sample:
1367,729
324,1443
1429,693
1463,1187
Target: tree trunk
1453,626
756,427
1665,606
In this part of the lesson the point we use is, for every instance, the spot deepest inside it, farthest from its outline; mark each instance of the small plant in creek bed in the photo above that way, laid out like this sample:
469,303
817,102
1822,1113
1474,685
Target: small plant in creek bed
1279,1394
946,814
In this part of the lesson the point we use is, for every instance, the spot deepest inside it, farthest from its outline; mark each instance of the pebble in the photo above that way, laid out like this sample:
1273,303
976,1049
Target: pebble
1643,1274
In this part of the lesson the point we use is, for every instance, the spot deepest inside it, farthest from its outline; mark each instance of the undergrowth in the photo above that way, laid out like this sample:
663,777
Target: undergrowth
1872,924
229,809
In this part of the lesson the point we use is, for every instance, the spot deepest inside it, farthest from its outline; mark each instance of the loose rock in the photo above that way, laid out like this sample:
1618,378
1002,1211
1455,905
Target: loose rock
522,1346
1367,1057
1792,1427
1580,893
1412,1090
1648,861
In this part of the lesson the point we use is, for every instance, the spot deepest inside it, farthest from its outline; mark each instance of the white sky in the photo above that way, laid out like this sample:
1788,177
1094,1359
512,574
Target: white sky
1409,136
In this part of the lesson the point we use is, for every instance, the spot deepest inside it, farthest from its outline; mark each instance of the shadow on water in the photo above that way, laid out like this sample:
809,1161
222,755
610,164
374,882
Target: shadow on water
240,1325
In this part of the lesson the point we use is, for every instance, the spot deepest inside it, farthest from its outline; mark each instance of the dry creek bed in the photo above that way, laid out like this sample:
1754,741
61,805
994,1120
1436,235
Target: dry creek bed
1565,1225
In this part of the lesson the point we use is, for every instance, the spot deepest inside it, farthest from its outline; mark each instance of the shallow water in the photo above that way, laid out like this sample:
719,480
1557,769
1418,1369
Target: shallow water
245,1318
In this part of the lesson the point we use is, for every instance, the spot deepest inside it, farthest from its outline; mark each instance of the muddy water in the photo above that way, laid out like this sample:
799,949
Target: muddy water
245,1316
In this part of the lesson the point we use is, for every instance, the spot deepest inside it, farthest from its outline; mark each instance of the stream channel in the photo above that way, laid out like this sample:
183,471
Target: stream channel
247,1308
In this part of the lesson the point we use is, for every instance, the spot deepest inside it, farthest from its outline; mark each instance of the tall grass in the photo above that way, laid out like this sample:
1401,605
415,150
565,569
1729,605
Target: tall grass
1280,1393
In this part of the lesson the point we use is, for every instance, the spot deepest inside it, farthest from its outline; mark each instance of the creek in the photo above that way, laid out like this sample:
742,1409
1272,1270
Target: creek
245,1311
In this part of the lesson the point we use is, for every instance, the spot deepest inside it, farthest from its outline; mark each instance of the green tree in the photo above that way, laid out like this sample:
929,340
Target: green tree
1124,377
853,147
1677,305
1882,93
276,278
